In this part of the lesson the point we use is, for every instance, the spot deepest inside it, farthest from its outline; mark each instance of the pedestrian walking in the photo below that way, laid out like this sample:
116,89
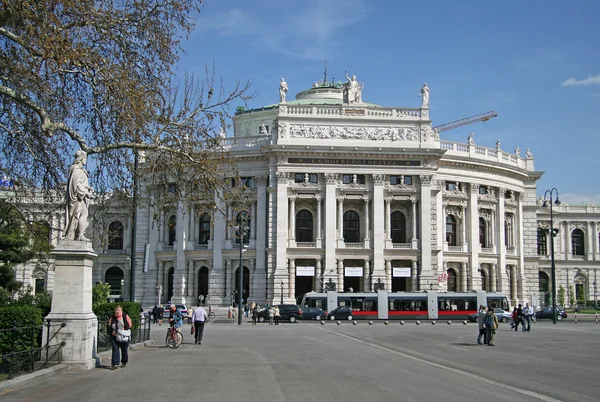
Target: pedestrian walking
481,325
491,324
527,314
161,313
246,310
520,319
276,315
254,314
120,326
271,315
155,314
199,318
231,315
513,318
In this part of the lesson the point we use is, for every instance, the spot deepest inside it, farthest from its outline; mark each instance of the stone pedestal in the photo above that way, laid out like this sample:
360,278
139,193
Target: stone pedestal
72,304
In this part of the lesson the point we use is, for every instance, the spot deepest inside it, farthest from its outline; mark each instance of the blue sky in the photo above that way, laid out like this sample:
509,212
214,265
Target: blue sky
536,63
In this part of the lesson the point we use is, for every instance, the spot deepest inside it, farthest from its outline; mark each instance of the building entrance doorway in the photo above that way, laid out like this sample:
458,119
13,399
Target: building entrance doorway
399,284
203,284
304,284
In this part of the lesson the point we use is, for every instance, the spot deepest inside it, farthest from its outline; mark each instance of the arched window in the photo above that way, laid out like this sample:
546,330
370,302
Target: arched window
451,230
544,282
542,242
204,231
172,227
304,226
577,242
451,279
115,236
115,277
482,233
398,221
351,227
483,280
243,220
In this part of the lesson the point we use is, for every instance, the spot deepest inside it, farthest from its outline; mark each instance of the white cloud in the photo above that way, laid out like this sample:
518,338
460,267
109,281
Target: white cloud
590,80
305,32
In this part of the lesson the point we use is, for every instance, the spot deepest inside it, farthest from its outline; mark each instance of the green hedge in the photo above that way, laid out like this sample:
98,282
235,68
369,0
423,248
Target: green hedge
24,317
106,310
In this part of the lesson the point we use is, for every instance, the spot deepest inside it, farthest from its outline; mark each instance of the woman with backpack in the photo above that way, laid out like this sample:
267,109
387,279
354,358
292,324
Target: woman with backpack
120,326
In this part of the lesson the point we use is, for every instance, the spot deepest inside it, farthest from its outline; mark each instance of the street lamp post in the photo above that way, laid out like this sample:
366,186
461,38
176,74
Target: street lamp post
281,287
553,232
241,232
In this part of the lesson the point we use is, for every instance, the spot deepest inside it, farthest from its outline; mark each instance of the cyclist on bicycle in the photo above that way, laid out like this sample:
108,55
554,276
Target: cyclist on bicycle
176,319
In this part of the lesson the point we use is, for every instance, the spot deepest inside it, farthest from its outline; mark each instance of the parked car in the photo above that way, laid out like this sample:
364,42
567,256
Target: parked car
546,312
287,312
182,307
313,313
501,315
340,313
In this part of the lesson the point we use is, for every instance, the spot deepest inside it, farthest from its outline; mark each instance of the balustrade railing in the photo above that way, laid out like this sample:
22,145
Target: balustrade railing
354,245
306,245
402,245
23,349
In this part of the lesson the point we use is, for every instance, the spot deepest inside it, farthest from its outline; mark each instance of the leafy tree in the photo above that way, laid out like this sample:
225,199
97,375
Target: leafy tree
571,295
20,241
561,295
100,76
100,293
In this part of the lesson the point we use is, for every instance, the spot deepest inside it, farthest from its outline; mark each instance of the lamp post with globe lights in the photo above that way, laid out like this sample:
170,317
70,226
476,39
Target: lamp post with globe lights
548,201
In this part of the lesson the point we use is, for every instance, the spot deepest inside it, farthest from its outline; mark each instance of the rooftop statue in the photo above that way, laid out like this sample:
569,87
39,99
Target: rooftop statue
352,90
424,96
283,90
79,194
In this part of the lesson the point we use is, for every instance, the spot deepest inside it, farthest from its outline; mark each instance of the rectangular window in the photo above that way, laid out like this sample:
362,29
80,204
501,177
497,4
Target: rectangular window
542,248
306,178
483,190
395,180
451,186
353,179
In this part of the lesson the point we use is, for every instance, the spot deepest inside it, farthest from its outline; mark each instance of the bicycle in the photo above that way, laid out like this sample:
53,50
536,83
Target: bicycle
174,338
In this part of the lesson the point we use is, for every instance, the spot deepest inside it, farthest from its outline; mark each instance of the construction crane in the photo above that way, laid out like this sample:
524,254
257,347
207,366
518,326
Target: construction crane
465,122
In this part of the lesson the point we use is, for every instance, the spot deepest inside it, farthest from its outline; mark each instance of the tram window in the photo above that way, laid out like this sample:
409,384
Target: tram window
407,305
359,304
457,304
498,303
318,303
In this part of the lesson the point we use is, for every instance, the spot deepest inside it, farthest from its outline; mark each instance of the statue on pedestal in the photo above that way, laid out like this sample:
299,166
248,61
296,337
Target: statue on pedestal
283,90
79,194
424,96
352,90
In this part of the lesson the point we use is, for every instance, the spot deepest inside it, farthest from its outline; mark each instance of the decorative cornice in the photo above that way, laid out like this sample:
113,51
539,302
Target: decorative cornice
354,132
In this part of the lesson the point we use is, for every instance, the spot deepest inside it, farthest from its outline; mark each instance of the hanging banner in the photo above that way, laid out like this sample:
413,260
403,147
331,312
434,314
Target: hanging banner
305,271
353,271
400,272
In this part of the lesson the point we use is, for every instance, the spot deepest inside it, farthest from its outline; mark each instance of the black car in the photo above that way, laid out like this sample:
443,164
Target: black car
313,313
546,312
289,312
340,313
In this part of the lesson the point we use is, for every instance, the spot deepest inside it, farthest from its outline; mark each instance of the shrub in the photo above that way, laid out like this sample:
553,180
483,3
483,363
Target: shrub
561,295
100,293
41,300
22,318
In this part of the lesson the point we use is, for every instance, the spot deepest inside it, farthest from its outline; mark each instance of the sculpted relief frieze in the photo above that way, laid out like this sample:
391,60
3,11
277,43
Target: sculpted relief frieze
354,132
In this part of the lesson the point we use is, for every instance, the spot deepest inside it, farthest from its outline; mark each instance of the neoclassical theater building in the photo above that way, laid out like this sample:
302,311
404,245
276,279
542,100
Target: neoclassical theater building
348,195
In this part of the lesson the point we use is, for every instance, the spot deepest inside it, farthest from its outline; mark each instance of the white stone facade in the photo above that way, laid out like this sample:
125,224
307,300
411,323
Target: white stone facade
363,197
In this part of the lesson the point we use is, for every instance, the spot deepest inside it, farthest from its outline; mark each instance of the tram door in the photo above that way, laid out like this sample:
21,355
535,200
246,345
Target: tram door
432,304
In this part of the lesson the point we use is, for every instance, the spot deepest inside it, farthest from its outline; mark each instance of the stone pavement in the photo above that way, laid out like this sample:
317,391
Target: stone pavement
313,362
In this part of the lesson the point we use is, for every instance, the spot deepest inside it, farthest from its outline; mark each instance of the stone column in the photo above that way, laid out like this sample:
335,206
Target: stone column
340,273
316,279
253,222
228,275
292,218
414,223
366,276
319,230
292,280
501,249
192,230
388,224
388,275
473,223
463,277
414,276
340,219
493,270
513,283
367,225
72,305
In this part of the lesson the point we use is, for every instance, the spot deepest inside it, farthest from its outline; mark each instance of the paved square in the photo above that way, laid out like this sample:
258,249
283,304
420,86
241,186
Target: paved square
313,362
